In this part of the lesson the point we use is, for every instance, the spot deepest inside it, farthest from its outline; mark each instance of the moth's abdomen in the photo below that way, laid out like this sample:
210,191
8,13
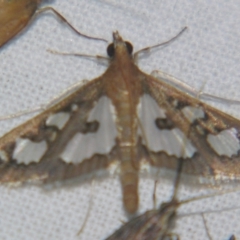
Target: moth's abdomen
129,164
129,180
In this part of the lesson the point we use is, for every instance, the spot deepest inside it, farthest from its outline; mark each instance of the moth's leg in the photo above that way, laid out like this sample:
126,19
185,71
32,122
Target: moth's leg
206,227
92,57
232,236
91,198
154,196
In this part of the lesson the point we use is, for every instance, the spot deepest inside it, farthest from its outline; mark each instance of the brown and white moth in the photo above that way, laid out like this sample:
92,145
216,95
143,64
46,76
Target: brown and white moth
124,118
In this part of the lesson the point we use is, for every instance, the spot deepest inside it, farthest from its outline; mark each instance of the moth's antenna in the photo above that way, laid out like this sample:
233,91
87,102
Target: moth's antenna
147,49
64,20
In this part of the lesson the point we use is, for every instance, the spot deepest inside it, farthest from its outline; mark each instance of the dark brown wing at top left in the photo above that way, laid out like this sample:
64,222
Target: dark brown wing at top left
15,16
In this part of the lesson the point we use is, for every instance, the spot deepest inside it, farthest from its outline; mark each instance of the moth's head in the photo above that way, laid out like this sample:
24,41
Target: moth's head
119,46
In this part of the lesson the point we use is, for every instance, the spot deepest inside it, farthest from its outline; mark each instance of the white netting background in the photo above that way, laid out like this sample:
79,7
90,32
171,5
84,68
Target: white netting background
208,52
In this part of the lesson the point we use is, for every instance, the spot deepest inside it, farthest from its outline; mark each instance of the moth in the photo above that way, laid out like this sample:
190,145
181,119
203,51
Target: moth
15,15
124,122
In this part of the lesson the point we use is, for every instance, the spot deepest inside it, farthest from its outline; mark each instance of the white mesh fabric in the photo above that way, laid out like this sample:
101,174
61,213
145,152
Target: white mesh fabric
206,55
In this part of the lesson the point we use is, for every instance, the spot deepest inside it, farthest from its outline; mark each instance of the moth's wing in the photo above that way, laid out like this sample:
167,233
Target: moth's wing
153,224
176,126
74,138
144,226
14,16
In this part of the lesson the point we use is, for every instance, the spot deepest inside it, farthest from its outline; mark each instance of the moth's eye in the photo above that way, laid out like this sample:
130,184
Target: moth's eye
129,47
110,50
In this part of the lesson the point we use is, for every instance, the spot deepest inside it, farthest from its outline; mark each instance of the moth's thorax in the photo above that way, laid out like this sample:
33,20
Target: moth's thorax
124,90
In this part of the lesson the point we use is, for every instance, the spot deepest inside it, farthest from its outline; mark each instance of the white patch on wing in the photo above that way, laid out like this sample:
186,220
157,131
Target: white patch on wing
4,156
173,141
148,110
192,113
226,143
58,119
27,151
83,146
74,107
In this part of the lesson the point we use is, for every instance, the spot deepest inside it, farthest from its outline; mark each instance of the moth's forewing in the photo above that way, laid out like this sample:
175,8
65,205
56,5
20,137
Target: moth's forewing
211,137
47,166
14,17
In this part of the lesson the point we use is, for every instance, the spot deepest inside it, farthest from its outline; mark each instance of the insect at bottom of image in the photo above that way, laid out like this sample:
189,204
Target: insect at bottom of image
128,121
160,223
